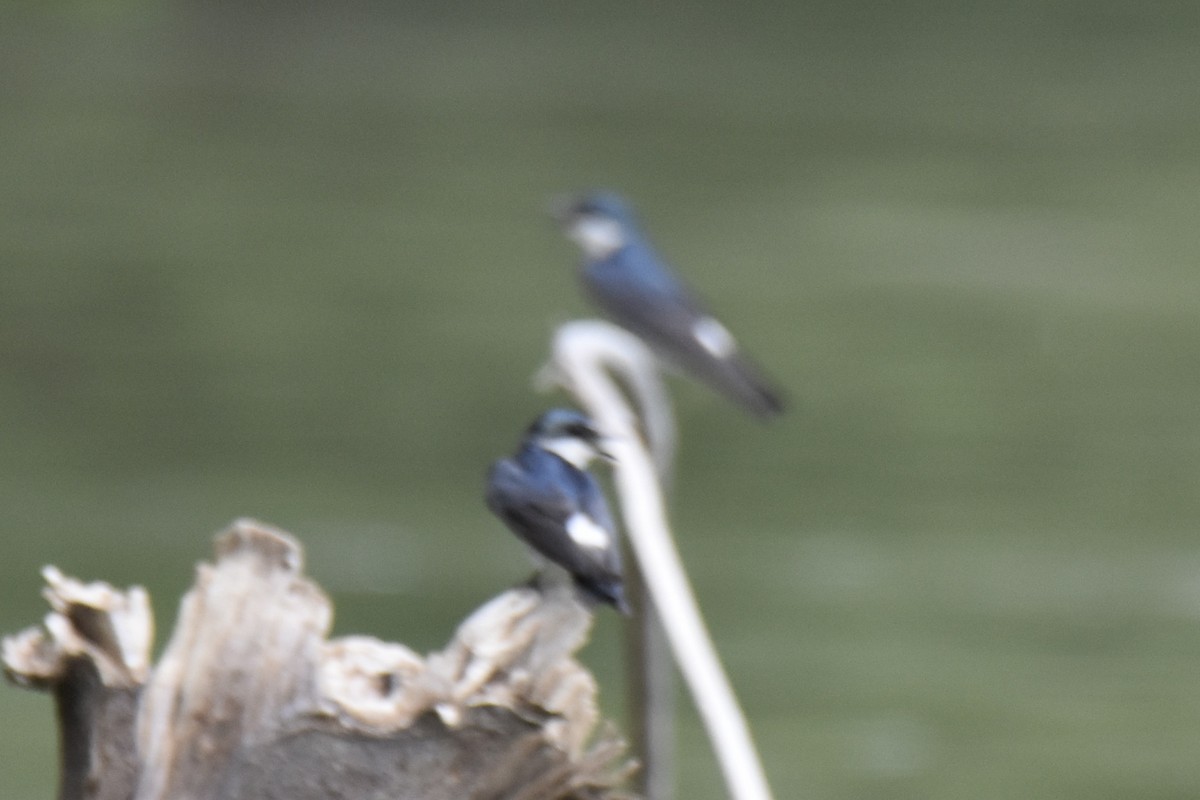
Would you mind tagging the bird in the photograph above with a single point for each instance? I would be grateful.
(545, 495)
(625, 276)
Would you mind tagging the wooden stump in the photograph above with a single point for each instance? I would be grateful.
(250, 700)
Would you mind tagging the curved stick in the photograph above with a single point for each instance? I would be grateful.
(582, 352)
(586, 355)
(649, 673)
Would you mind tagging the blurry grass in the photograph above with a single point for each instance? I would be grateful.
(294, 265)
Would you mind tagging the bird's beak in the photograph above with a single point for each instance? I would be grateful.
(603, 446)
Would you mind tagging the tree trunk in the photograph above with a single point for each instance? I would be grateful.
(250, 700)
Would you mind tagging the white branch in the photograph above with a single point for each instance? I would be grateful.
(586, 354)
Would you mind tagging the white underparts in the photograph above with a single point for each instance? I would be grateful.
(574, 451)
(584, 531)
(598, 236)
(714, 337)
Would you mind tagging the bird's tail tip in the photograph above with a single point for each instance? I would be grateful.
(612, 594)
(773, 404)
(764, 402)
(615, 597)
(622, 606)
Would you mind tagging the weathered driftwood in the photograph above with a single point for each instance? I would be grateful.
(250, 700)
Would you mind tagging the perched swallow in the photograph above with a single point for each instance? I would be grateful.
(545, 496)
(625, 276)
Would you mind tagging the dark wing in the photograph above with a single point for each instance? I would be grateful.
(640, 293)
(593, 504)
(538, 505)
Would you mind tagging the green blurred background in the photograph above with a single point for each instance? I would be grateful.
(289, 260)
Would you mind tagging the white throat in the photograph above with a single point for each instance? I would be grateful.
(574, 451)
(599, 237)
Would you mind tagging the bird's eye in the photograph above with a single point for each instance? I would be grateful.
(581, 431)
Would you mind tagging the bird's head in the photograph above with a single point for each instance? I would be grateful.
(569, 435)
(600, 222)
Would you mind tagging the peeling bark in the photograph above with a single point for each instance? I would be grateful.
(250, 700)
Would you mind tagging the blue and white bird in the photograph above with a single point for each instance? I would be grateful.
(625, 276)
(544, 494)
